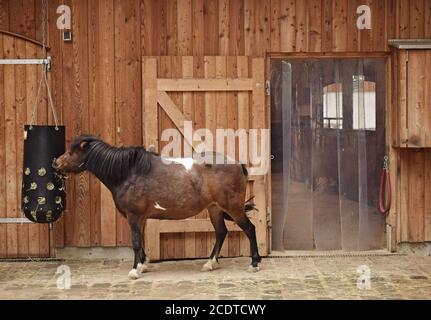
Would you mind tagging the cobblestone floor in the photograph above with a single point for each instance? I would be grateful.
(392, 277)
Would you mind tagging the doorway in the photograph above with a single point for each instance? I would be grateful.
(328, 143)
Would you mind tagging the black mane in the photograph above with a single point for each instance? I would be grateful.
(113, 164)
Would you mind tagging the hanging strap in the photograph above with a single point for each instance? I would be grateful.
(385, 188)
(44, 78)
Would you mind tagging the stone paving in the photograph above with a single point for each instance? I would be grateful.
(391, 277)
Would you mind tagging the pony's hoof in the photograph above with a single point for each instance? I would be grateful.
(210, 265)
(142, 267)
(133, 274)
(253, 269)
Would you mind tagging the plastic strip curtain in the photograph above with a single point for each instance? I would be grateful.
(328, 143)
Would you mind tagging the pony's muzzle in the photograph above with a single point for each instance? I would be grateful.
(54, 164)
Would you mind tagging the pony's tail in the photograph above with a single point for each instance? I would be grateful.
(248, 206)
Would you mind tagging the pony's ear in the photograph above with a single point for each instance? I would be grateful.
(83, 145)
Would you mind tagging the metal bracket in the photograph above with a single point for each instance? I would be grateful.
(267, 88)
(46, 62)
(269, 217)
(14, 220)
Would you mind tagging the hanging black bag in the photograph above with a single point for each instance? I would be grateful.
(43, 188)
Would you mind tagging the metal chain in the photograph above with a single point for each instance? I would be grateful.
(44, 72)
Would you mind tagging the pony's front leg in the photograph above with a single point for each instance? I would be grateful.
(138, 263)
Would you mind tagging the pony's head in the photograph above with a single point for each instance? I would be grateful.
(73, 160)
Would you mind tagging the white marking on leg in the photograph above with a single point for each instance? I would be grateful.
(142, 267)
(133, 274)
(210, 265)
(253, 269)
(159, 207)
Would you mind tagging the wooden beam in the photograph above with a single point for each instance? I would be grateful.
(149, 107)
(237, 84)
(177, 117)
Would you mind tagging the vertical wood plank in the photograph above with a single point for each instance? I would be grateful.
(249, 27)
(404, 19)
(402, 98)
(149, 31)
(211, 32)
(4, 15)
(301, 26)
(72, 130)
(236, 27)
(416, 196)
(107, 124)
(404, 196)
(43, 118)
(172, 28)
(427, 102)
(150, 114)
(223, 27)
(177, 98)
(379, 26)
(160, 25)
(19, 23)
(262, 27)
(94, 114)
(198, 27)
(210, 124)
(199, 122)
(314, 18)
(427, 19)
(165, 70)
(366, 35)
(417, 19)
(184, 17)
(3, 206)
(327, 25)
(127, 86)
(10, 147)
(275, 26)
(416, 78)
(21, 119)
(221, 115)
(81, 232)
(352, 29)
(258, 121)
(339, 26)
(187, 69)
(288, 25)
(231, 247)
(244, 102)
(55, 78)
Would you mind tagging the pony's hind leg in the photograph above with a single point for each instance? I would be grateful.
(217, 220)
(241, 219)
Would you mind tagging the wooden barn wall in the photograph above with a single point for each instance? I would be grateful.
(97, 77)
